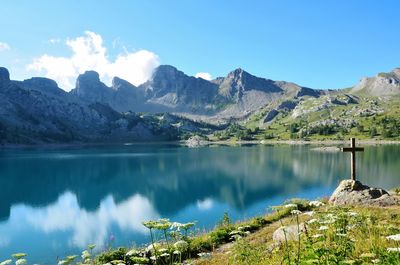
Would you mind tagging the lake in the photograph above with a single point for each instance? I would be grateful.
(54, 202)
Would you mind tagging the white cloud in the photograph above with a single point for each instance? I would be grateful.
(205, 204)
(205, 76)
(89, 53)
(90, 227)
(4, 46)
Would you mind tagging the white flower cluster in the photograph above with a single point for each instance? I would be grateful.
(316, 204)
(394, 237)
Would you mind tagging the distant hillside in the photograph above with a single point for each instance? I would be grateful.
(36, 110)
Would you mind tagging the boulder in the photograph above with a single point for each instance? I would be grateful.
(356, 193)
(288, 233)
(195, 141)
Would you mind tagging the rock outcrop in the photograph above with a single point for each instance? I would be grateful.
(351, 192)
(4, 76)
(383, 84)
(288, 233)
(195, 141)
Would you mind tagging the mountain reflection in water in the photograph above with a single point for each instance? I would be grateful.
(56, 201)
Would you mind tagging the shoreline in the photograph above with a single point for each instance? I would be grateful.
(204, 143)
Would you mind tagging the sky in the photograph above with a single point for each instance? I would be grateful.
(314, 43)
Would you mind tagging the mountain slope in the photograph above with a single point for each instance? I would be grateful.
(46, 114)
(383, 84)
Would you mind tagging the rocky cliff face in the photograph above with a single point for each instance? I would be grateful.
(238, 82)
(172, 88)
(38, 111)
(383, 84)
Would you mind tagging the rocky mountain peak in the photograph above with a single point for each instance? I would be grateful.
(4, 75)
(88, 77)
(166, 72)
(89, 86)
(42, 84)
(383, 84)
(396, 71)
(238, 81)
(118, 83)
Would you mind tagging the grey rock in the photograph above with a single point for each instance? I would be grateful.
(4, 76)
(271, 115)
(351, 192)
(234, 85)
(289, 233)
(195, 141)
(383, 84)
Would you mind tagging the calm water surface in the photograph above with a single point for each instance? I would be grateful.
(55, 202)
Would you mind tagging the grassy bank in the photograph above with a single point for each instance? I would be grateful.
(328, 235)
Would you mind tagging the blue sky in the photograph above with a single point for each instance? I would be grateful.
(315, 43)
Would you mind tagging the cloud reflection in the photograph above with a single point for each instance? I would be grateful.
(89, 227)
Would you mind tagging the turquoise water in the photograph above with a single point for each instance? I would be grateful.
(54, 202)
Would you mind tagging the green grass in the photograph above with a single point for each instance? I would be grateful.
(336, 235)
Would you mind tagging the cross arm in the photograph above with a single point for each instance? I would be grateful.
(350, 149)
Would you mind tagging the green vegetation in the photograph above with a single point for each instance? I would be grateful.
(327, 118)
(329, 235)
(326, 235)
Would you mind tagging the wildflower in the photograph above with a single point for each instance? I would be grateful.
(189, 225)
(204, 255)
(163, 224)
(164, 255)
(177, 252)
(316, 203)
(352, 214)
(312, 221)
(176, 225)
(290, 205)
(349, 227)
(18, 255)
(236, 237)
(181, 245)
(317, 235)
(323, 227)
(6, 262)
(139, 260)
(62, 262)
(150, 224)
(394, 237)
(309, 213)
(21, 262)
(247, 233)
(376, 261)
(92, 246)
(163, 250)
(341, 234)
(367, 255)
(393, 249)
(152, 247)
(85, 255)
(132, 252)
(295, 212)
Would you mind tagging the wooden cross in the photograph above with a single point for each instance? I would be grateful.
(353, 149)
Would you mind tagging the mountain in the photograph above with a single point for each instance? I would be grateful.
(171, 90)
(383, 84)
(36, 110)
